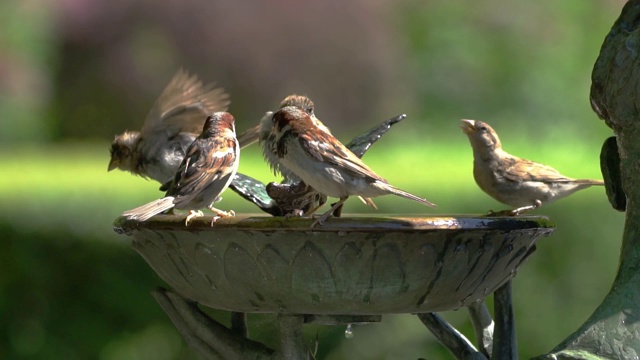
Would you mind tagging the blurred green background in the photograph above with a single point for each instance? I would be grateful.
(73, 73)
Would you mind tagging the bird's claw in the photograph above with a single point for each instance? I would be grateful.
(492, 213)
(320, 219)
(192, 214)
(293, 214)
(220, 214)
(517, 211)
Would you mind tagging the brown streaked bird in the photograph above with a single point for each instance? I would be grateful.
(210, 163)
(173, 123)
(514, 181)
(261, 131)
(324, 163)
(304, 197)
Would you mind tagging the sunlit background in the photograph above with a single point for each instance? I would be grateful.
(73, 73)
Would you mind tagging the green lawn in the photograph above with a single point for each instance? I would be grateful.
(75, 175)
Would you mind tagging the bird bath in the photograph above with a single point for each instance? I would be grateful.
(349, 270)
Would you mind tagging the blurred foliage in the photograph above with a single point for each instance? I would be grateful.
(74, 74)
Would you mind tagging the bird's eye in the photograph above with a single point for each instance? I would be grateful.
(309, 110)
(482, 128)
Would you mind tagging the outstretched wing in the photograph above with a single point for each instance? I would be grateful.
(362, 143)
(184, 105)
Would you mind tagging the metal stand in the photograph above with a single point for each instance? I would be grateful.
(215, 341)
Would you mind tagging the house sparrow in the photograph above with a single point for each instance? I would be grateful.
(292, 196)
(172, 124)
(324, 163)
(261, 131)
(517, 182)
(210, 163)
(299, 198)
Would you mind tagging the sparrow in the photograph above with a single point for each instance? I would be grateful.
(298, 199)
(514, 181)
(324, 163)
(172, 124)
(209, 165)
(262, 133)
(292, 196)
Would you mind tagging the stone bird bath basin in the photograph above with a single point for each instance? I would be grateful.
(349, 266)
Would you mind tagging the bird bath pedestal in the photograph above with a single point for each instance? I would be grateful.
(350, 270)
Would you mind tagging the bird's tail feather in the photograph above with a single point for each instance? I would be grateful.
(394, 190)
(249, 136)
(589, 182)
(144, 212)
(368, 201)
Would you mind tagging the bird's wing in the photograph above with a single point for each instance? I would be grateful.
(326, 148)
(518, 169)
(362, 143)
(205, 162)
(184, 105)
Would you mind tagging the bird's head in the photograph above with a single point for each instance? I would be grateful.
(218, 121)
(290, 117)
(481, 135)
(305, 104)
(122, 151)
(300, 101)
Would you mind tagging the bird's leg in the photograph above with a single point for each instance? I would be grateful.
(338, 211)
(515, 212)
(311, 211)
(321, 219)
(192, 214)
(220, 213)
(520, 210)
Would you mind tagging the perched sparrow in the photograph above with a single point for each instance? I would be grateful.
(323, 162)
(210, 163)
(299, 198)
(292, 196)
(261, 131)
(172, 124)
(511, 180)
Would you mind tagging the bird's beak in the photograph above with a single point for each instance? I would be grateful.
(249, 136)
(113, 164)
(468, 126)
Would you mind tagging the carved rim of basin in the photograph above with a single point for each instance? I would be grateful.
(349, 266)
